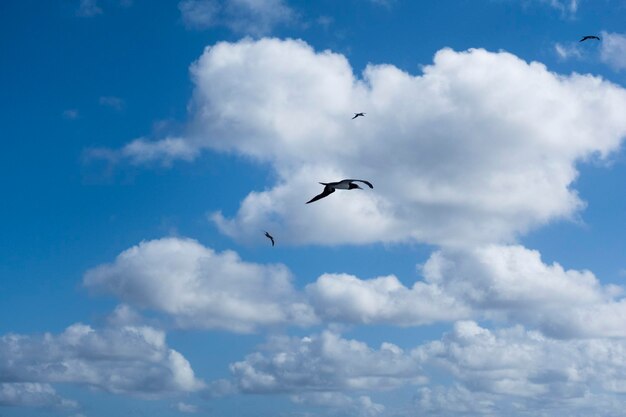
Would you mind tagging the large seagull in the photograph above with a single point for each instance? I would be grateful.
(330, 187)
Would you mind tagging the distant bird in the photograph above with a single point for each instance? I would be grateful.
(357, 115)
(330, 187)
(589, 37)
(270, 237)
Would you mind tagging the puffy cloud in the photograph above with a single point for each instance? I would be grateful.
(325, 362)
(202, 288)
(514, 283)
(129, 359)
(346, 298)
(517, 372)
(254, 17)
(26, 394)
(613, 50)
(479, 148)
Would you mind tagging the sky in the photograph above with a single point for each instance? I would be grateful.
(148, 146)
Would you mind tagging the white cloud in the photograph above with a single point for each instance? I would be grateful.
(202, 288)
(254, 17)
(613, 50)
(346, 298)
(25, 394)
(512, 282)
(362, 406)
(518, 372)
(129, 359)
(326, 363)
(480, 148)
(568, 51)
(141, 151)
(88, 8)
(199, 14)
(564, 6)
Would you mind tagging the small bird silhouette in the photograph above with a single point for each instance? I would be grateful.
(589, 37)
(270, 237)
(357, 115)
(330, 187)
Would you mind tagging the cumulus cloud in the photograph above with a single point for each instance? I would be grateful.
(27, 394)
(512, 282)
(348, 299)
(325, 362)
(516, 372)
(202, 288)
(481, 147)
(498, 282)
(253, 17)
(613, 50)
(130, 359)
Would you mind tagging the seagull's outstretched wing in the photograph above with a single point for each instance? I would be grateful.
(355, 116)
(327, 191)
(369, 184)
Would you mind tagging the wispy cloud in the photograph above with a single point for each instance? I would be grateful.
(613, 50)
(70, 114)
(112, 102)
(568, 51)
(88, 8)
(253, 17)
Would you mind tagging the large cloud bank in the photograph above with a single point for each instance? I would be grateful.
(480, 147)
(129, 359)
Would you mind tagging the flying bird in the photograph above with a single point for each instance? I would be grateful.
(589, 37)
(357, 115)
(330, 187)
(270, 237)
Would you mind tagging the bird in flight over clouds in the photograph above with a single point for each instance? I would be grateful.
(589, 37)
(330, 187)
(357, 115)
(270, 237)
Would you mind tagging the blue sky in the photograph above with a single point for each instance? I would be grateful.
(149, 144)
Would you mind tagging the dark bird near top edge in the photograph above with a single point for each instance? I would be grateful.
(357, 115)
(270, 237)
(330, 187)
(589, 37)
